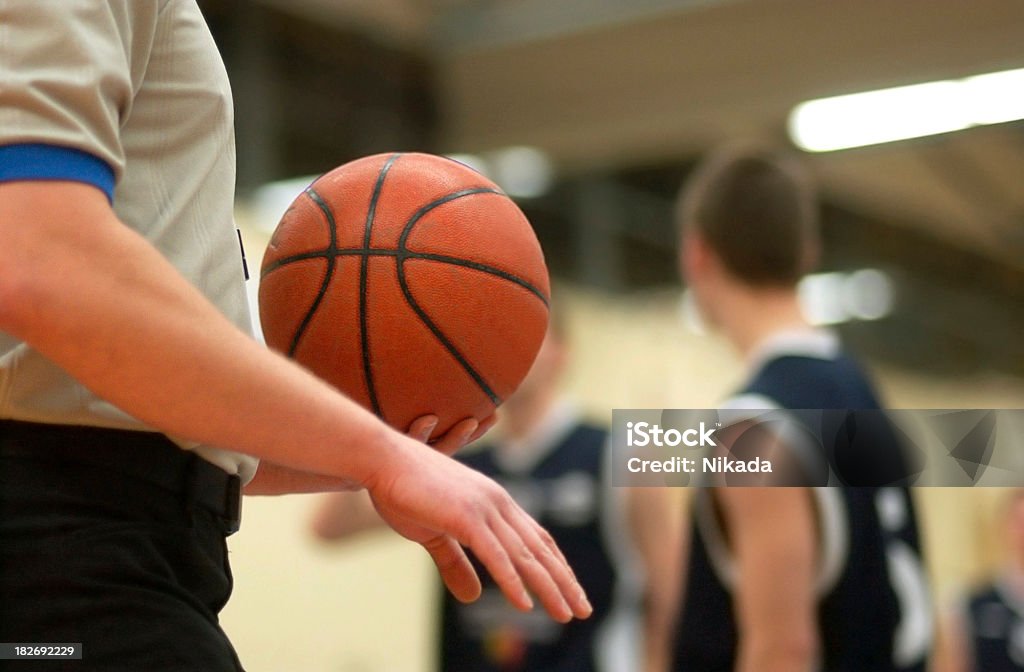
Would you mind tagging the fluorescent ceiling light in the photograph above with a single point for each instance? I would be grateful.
(833, 298)
(862, 295)
(270, 201)
(522, 172)
(905, 112)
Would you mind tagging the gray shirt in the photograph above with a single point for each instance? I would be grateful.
(139, 84)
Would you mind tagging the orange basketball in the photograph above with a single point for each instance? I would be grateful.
(411, 283)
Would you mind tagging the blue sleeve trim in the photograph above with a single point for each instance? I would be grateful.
(37, 161)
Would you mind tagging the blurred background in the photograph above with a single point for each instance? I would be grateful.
(591, 113)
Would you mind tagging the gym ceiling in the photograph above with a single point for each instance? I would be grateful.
(624, 95)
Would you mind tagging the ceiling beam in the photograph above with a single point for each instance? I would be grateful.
(397, 22)
(473, 26)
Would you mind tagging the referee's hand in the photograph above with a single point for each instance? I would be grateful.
(444, 505)
(455, 439)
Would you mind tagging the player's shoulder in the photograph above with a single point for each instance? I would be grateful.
(587, 434)
(479, 457)
(798, 381)
(580, 442)
(840, 367)
(585, 442)
(808, 368)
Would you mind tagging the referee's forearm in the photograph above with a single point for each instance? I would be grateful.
(101, 302)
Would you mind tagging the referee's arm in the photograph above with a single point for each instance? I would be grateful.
(99, 301)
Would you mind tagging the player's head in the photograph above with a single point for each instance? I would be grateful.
(747, 218)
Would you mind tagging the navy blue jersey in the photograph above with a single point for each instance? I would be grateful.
(873, 609)
(996, 630)
(564, 492)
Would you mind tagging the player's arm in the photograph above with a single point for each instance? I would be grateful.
(773, 538)
(952, 654)
(656, 523)
(101, 302)
(341, 515)
(274, 479)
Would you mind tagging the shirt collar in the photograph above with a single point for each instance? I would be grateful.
(1009, 585)
(801, 342)
(522, 455)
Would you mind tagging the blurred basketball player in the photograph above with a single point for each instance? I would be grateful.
(987, 632)
(787, 578)
(554, 465)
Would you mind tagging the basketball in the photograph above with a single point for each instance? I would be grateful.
(411, 283)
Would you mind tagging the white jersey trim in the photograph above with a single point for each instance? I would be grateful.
(522, 455)
(617, 641)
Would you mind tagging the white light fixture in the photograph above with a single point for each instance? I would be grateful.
(270, 201)
(867, 294)
(905, 112)
(820, 298)
(834, 298)
(477, 163)
(522, 172)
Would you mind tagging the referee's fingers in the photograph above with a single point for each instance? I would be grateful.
(485, 425)
(456, 437)
(492, 553)
(455, 568)
(564, 593)
(422, 427)
(537, 574)
(522, 559)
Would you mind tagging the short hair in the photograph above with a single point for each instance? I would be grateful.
(757, 211)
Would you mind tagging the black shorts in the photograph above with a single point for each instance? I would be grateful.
(115, 540)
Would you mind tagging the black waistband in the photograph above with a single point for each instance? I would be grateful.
(147, 456)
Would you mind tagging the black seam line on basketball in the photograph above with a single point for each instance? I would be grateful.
(333, 245)
(324, 254)
(427, 256)
(483, 268)
(364, 266)
(448, 345)
(404, 253)
(400, 270)
(436, 203)
(291, 259)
